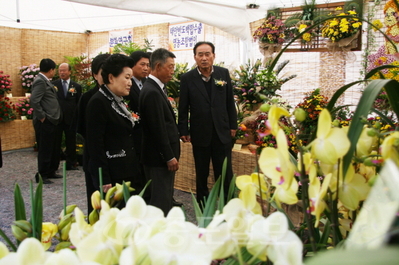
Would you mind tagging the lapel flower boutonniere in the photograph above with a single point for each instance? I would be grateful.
(72, 90)
(56, 88)
(135, 117)
(220, 83)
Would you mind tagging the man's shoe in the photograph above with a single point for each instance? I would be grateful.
(46, 181)
(56, 176)
(176, 203)
(70, 167)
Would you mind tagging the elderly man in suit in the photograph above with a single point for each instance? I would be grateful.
(161, 145)
(69, 93)
(207, 116)
(46, 118)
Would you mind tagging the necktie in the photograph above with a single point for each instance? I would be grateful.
(140, 85)
(65, 86)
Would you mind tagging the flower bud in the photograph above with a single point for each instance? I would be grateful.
(93, 217)
(265, 107)
(96, 200)
(371, 132)
(300, 114)
(18, 233)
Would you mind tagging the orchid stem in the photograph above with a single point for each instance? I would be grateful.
(64, 186)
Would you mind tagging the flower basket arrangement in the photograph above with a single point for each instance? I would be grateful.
(342, 31)
(270, 35)
(27, 75)
(24, 109)
(7, 110)
(252, 86)
(307, 38)
(5, 84)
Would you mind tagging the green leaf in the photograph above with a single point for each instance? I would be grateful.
(19, 204)
(126, 192)
(145, 188)
(37, 209)
(8, 241)
(383, 255)
(365, 103)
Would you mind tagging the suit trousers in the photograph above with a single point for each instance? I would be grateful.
(49, 144)
(70, 143)
(162, 187)
(217, 151)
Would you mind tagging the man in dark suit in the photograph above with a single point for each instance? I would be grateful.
(69, 93)
(46, 118)
(81, 123)
(140, 73)
(207, 107)
(161, 145)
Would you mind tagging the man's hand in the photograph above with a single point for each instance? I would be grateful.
(106, 187)
(185, 138)
(233, 133)
(173, 165)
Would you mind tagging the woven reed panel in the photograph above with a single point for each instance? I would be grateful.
(17, 134)
(97, 42)
(10, 54)
(243, 163)
(22, 47)
(158, 34)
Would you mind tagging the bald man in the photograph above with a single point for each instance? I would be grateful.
(68, 93)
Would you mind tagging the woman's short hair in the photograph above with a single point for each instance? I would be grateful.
(114, 65)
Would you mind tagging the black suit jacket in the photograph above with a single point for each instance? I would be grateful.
(133, 99)
(69, 103)
(109, 140)
(199, 113)
(161, 140)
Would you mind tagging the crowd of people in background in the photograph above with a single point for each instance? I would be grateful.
(129, 127)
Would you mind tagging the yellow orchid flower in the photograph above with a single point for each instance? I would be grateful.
(317, 192)
(178, 243)
(365, 143)
(30, 252)
(99, 247)
(3, 250)
(353, 189)
(49, 230)
(389, 147)
(238, 219)
(270, 238)
(331, 143)
(274, 115)
(79, 229)
(64, 257)
(249, 186)
(276, 165)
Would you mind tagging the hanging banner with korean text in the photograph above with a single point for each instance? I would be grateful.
(183, 36)
(119, 37)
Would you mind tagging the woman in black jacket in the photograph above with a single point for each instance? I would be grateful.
(109, 127)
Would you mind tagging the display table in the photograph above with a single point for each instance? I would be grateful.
(243, 162)
(17, 134)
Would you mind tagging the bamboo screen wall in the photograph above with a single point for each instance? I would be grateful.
(325, 70)
(20, 47)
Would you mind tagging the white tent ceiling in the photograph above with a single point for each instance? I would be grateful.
(102, 15)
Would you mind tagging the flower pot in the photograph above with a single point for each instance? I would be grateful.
(24, 118)
(344, 45)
